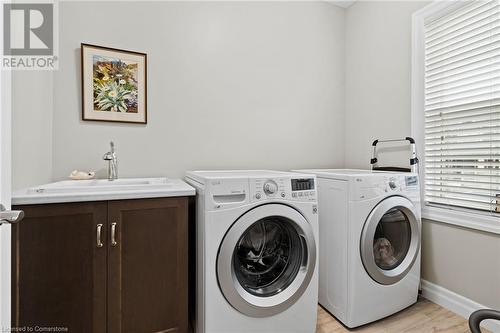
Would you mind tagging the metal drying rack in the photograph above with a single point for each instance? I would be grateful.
(413, 158)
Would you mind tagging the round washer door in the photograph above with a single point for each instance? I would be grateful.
(390, 240)
(266, 260)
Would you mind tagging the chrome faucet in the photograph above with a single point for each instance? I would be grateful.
(110, 156)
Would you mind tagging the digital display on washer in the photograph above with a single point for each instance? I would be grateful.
(303, 184)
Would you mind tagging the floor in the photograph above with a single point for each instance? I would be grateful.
(423, 317)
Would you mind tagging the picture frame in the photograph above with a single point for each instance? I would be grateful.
(114, 84)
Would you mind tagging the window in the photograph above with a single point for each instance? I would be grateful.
(459, 47)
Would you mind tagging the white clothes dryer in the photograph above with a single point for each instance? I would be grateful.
(370, 227)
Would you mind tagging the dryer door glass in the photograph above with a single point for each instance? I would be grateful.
(392, 239)
(267, 256)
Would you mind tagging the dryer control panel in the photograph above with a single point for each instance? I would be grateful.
(286, 188)
(384, 184)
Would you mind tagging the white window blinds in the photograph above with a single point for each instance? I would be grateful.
(462, 107)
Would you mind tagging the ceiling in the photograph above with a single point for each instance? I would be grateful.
(342, 3)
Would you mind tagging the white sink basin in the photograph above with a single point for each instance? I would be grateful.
(102, 189)
(99, 185)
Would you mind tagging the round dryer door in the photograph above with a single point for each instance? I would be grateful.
(266, 260)
(390, 241)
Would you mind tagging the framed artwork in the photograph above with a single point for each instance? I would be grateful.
(114, 85)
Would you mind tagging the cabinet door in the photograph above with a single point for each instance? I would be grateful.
(58, 271)
(147, 268)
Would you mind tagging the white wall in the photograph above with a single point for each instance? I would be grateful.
(378, 95)
(378, 60)
(230, 85)
(462, 260)
(31, 128)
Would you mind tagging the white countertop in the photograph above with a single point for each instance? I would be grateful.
(102, 190)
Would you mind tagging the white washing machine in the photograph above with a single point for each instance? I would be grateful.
(370, 230)
(256, 257)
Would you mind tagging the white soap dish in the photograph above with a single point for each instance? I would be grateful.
(82, 175)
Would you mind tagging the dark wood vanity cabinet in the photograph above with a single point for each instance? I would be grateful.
(58, 273)
(147, 266)
(111, 266)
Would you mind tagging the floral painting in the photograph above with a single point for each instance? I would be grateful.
(113, 84)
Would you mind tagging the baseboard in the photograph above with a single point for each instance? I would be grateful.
(455, 303)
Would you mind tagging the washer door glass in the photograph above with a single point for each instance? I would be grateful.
(266, 260)
(268, 256)
(392, 239)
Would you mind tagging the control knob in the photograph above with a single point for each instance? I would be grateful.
(270, 187)
(392, 184)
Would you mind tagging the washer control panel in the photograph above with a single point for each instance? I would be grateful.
(286, 188)
(270, 187)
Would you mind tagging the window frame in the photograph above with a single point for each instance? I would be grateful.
(463, 217)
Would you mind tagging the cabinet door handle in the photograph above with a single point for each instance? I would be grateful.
(113, 234)
(99, 230)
